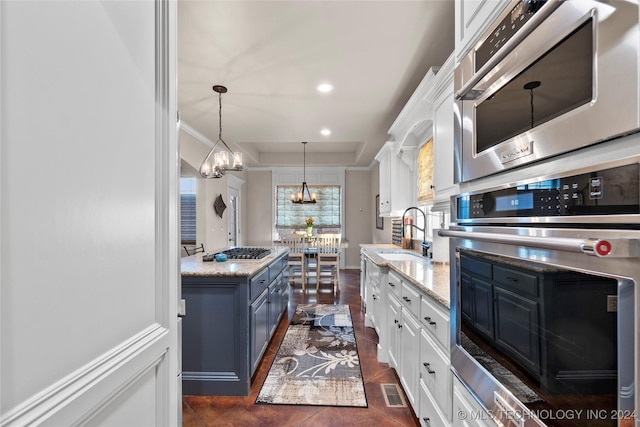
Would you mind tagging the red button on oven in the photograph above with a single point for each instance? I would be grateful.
(603, 248)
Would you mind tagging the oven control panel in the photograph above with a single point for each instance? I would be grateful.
(613, 191)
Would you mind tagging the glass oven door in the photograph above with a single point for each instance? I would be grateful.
(544, 323)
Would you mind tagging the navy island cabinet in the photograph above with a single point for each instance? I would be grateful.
(232, 310)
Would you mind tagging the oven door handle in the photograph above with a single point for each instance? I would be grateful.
(610, 248)
(467, 92)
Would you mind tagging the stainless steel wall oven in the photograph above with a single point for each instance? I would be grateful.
(545, 293)
(547, 78)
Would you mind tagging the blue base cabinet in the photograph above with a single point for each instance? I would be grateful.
(229, 322)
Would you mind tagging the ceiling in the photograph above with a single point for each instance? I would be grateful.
(271, 55)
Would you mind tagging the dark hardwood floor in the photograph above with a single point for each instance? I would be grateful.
(200, 411)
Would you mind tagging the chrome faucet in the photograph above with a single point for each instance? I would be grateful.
(425, 244)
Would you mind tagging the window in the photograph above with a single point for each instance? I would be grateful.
(188, 210)
(325, 213)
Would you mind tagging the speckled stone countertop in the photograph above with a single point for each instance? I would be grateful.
(194, 266)
(432, 279)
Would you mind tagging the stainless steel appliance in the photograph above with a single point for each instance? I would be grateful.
(240, 253)
(548, 77)
(545, 294)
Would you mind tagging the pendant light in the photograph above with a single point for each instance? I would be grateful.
(217, 163)
(299, 197)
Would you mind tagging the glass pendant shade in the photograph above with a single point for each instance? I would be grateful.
(218, 162)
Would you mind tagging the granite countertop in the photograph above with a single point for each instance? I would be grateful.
(433, 279)
(194, 266)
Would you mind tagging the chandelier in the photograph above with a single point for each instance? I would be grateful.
(299, 197)
(217, 163)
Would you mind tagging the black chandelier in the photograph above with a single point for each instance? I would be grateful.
(299, 197)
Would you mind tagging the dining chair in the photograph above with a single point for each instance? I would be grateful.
(194, 250)
(296, 244)
(328, 259)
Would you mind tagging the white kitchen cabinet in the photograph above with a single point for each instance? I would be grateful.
(394, 322)
(435, 372)
(468, 412)
(396, 183)
(472, 18)
(430, 414)
(409, 355)
(443, 182)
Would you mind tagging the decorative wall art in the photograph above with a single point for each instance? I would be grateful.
(219, 205)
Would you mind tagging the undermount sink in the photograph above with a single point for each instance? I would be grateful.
(400, 256)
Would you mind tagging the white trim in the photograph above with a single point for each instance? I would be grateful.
(234, 182)
(87, 383)
(168, 408)
(194, 133)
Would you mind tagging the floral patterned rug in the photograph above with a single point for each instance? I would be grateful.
(317, 362)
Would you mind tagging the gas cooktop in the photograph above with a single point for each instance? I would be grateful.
(240, 254)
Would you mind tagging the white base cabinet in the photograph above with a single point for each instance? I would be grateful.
(413, 338)
(468, 412)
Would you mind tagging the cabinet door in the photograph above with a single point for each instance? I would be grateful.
(472, 19)
(259, 328)
(466, 298)
(483, 307)
(275, 305)
(516, 328)
(385, 184)
(443, 145)
(410, 355)
(393, 330)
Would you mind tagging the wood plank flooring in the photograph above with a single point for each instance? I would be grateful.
(205, 411)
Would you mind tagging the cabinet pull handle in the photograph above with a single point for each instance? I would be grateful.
(512, 279)
(392, 285)
(428, 366)
(428, 319)
(407, 299)
(427, 422)
(395, 320)
(399, 326)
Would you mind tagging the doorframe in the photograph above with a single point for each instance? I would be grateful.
(234, 185)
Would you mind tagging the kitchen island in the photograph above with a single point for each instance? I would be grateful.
(232, 310)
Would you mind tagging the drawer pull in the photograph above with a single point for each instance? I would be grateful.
(429, 321)
(395, 320)
(392, 285)
(511, 279)
(427, 422)
(407, 299)
(399, 326)
(374, 297)
(427, 365)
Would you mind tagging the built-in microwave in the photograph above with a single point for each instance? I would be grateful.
(547, 78)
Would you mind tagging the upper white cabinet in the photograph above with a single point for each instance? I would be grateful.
(427, 115)
(396, 183)
(442, 95)
(472, 18)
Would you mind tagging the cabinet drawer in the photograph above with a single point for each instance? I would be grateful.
(435, 372)
(278, 266)
(517, 281)
(475, 267)
(410, 298)
(394, 284)
(259, 282)
(430, 415)
(435, 321)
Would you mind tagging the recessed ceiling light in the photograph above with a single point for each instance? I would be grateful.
(324, 87)
(326, 132)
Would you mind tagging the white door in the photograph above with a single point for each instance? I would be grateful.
(89, 267)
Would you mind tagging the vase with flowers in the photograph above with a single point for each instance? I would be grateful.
(309, 222)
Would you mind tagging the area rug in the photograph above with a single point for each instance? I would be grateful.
(317, 362)
(523, 392)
